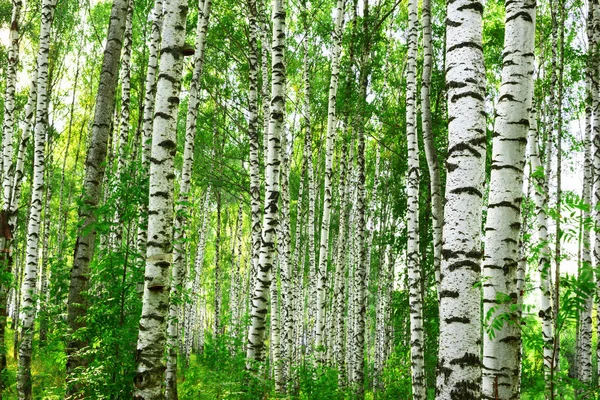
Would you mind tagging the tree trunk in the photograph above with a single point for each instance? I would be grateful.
(149, 100)
(256, 337)
(435, 185)
(123, 125)
(159, 250)
(183, 201)
(330, 139)
(501, 346)
(413, 179)
(9, 102)
(92, 189)
(253, 133)
(8, 177)
(28, 289)
(459, 363)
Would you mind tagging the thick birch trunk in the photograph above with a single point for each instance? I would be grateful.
(459, 362)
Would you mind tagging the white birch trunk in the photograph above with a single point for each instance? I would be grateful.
(159, 251)
(540, 200)
(9, 103)
(330, 139)
(183, 201)
(413, 251)
(253, 134)
(459, 362)
(148, 117)
(435, 185)
(501, 347)
(28, 288)
(256, 331)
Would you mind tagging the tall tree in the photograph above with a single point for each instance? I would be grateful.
(501, 347)
(459, 362)
(435, 184)
(92, 189)
(330, 139)
(8, 177)
(148, 114)
(204, 8)
(159, 248)
(413, 179)
(256, 331)
(29, 284)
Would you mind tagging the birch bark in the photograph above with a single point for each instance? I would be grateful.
(459, 365)
(159, 248)
(256, 331)
(28, 288)
(501, 347)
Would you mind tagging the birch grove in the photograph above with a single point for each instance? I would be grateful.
(259, 199)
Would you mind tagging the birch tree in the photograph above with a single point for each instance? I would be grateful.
(148, 115)
(159, 248)
(412, 253)
(8, 176)
(256, 331)
(184, 189)
(459, 362)
(435, 185)
(92, 188)
(501, 347)
(29, 284)
(330, 139)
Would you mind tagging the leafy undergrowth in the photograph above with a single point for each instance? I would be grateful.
(47, 368)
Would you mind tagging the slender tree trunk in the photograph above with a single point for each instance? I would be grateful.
(360, 260)
(217, 287)
(340, 270)
(256, 332)
(412, 253)
(435, 185)
(28, 289)
(9, 101)
(285, 272)
(584, 361)
(183, 201)
(501, 346)
(196, 293)
(44, 272)
(94, 175)
(558, 121)
(149, 100)
(8, 178)
(595, 137)
(306, 118)
(541, 204)
(459, 362)
(330, 139)
(123, 125)
(253, 133)
(159, 250)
